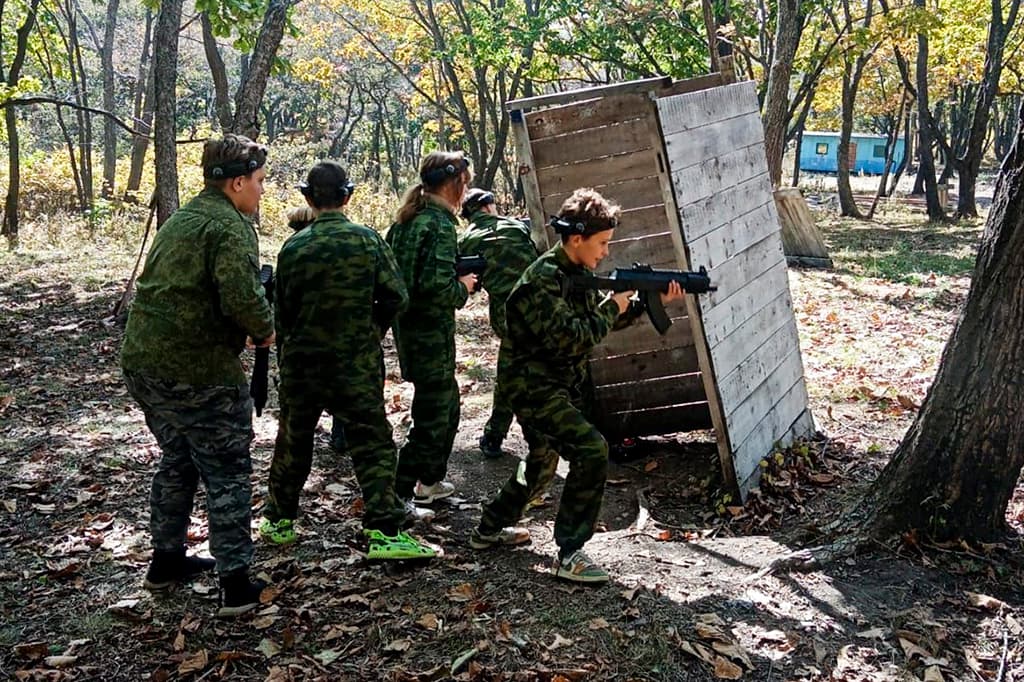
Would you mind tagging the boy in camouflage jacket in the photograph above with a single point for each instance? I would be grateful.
(198, 299)
(549, 340)
(338, 290)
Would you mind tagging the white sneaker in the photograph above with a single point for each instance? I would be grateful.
(414, 514)
(425, 494)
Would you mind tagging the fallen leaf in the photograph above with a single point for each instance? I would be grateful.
(179, 641)
(558, 642)
(398, 645)
(327, 656)
(268, 647)
(597, 624)
(33, 651)
(910, 650)
(462, 659)
(933, 674)
(873, 633)
(461, 593)
(194, 663)
(10, 505)
(651, 466)
(629, 594)
(984, 601)
(428, 621)
(726, 669)
(821, 478)
(60, 661)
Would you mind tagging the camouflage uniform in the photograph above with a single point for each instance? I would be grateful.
(425, 249)
(198, 297)
(549, 340)
(509, 250)
(338, 290)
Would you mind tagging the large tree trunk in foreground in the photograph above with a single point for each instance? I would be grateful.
(956, 469)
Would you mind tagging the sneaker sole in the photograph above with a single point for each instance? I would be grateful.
(399, 557)
(432, 498)
(232, 611)
(276, 543)
(487, 544)
(576, 578)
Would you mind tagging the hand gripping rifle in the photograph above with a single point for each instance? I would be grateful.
(261, 360)
(465, 265)
(648, 282)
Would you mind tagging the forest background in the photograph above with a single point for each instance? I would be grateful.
(105, 108)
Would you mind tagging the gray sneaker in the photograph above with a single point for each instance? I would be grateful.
(510, 535)
(414, 514)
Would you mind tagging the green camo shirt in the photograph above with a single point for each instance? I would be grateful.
(198, 297)
(338, 290)
(506, 244)
(550, 336)
(425, 250)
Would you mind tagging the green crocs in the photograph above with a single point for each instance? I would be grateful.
(280, 532)
(401, 546)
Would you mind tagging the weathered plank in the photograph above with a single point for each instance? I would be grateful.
(641, 337)
(715, 139)
(656, 250)
(707, 178)
(732, 238)
(644, 85)
(528, 176)
(592, 143)
(646, 365)
(733, 275)
(595, 113)
(701, 216)
(695, 110)
(753, 370)
(800, 236)
(741, 419)
(643, 395)
(722, 315)
(670, 419)
(565, 179)
(788, 420)
(642, 222)
(628, 194)
(738, 342)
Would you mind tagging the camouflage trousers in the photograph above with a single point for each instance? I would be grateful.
(501, 410)
(370, 445)
(554, 423)
(204, 433)
(435, 421)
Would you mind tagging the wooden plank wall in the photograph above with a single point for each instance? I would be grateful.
(715, 165)
(645, 383)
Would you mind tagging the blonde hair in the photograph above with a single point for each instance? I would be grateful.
(436, 170)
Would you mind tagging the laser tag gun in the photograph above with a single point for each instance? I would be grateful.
(465, 265)
(648, 283)
(261, 361)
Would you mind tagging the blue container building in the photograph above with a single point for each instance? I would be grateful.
(818, 152)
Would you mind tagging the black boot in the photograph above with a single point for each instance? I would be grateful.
(490, 447)
(169, 567)
(338, 441)
(238, 594)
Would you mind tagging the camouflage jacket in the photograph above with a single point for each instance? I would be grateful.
(425, 250)
(506, 244)
(550, 336)
(338, 290)
(198, 297)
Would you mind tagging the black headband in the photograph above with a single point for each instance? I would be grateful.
(564, 227)
(231, 169)
(345, 190)
(435, 176)
(476, 202)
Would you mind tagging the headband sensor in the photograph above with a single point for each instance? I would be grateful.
(435, 176)
(231, 169)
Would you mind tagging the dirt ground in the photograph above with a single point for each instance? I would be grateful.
(688, 600)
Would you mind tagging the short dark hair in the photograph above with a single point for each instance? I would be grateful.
(327, 185)
(476, 199)
(586, 213)
(229, 157)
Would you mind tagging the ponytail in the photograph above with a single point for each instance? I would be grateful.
(412, 202)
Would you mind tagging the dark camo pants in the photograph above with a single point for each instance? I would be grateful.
(501, 411)
(554, 424)
(370, 446)
(435, 421)
(204, 433)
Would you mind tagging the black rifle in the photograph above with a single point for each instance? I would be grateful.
(648, 282)
(465, 265)
(261, 360)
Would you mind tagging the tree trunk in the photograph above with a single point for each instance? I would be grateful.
(970, 162)
(10, 224)
(254, 81)
(847, 205)
(165, 76)
(957, 467)
(76, 69)
(221, 91)
(776, 104)
(145, 99)
(109, 127)
(926, 170)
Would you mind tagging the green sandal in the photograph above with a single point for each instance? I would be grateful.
(280, 532)
(390, 547)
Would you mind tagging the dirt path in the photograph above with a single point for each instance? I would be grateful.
(684, 603)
